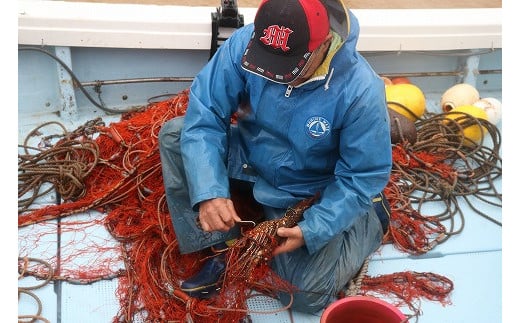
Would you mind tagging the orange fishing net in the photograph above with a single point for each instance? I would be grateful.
(126, 187)
(115, 181)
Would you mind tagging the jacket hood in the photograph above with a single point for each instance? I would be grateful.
(343, 22)
(345, 28)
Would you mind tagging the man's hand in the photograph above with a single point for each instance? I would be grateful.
(293, 239)
(217, 214)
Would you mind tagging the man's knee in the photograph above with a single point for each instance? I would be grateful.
(170, 133)
(171, 129)
(338, 262)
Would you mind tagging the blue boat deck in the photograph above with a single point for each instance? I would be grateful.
(472, 259)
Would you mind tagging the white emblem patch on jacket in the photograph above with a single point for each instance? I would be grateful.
(317, 127)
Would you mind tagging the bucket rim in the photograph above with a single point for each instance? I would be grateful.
(364, 299)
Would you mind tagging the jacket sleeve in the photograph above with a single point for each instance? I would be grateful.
(362, 171)
(214, 97)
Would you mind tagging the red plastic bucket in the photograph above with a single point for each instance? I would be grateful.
(361, 309)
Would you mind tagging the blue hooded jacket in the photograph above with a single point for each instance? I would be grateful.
(330, 134)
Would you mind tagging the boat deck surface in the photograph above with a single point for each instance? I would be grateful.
(471, 259)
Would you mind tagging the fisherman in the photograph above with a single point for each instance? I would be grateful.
(311, 118)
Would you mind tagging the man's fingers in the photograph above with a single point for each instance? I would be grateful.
(286, 246)
(226, 212)
(218, 215)
(201, 224)
(233, 212)
(293, 239)
(282, 232)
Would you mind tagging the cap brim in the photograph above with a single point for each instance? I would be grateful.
(270, 65)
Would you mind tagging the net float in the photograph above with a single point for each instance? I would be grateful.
(457, 95)
(493, 108)
(471, 129)
(406, 99)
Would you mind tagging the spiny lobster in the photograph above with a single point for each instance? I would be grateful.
(256, 246)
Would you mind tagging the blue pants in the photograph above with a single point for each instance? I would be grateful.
(319, 277)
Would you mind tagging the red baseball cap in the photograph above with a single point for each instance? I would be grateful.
(286, 32)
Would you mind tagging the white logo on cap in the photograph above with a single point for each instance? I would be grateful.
(276, 37)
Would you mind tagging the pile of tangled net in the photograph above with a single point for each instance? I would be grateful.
(111, 176)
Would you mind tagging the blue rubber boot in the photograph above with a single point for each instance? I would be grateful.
(208, 280)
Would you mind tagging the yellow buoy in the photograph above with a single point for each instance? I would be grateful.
(409, 96)
(471, 130)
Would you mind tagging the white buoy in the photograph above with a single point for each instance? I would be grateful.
(493, 108)
(457, 95)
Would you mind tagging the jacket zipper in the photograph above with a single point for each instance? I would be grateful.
(288, 91)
